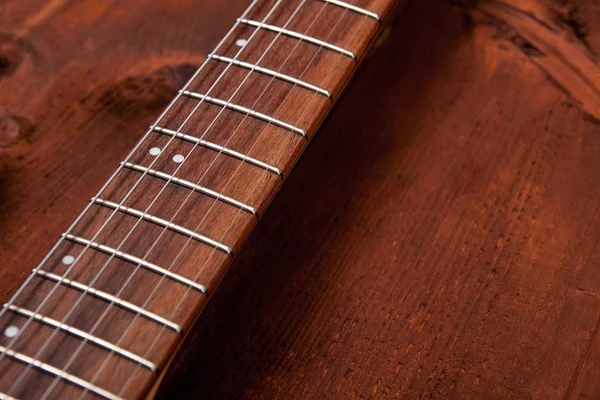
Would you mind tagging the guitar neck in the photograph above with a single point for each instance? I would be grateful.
(106, 309)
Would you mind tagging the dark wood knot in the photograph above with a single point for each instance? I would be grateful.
(11, 53)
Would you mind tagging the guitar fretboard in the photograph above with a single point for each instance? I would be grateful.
(106, 309)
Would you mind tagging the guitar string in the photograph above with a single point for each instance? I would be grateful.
(157, 286)
(162, 329)
(150, 131)
(85, 340)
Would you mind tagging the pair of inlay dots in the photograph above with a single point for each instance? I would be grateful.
(178, 158)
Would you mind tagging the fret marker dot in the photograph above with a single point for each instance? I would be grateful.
(68, 260)
(178, 158)
(241, 42)
(11, 331)
(154, 151)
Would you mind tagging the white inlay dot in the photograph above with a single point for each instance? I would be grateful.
(68, 260)
(154, 151)
(241, 42)
(178, 158)
(11, 331)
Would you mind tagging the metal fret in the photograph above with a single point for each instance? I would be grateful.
(244, 110)
(162, 223)
(299, 36)
(110, 298)
(82, 335)
(156, 220)
(274, 74)
(135, 260)
(192, 186)
(221, 149)
(4, 396)
(59, 374)
(353, 8)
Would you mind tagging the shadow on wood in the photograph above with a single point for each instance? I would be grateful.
(279, 273)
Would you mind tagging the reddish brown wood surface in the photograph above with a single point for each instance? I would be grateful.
(127, 254)
(438, 239)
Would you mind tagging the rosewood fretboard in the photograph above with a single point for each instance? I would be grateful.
(106, 309)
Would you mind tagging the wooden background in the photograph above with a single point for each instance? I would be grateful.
(439, 238)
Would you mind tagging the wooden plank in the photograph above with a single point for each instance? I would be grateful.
(438, 239)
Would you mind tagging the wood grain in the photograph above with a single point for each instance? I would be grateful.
(438, 239)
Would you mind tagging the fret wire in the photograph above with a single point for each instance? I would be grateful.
(163, 223)
(82, 335)
(244, 110)
(353, 8)
(136, 260)
(299, 36)
(59, 374)
(332, 69)
(213, 121)
(218, 148)
(191, 186)
(28, 280)
(110, 298)
(269, 72)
